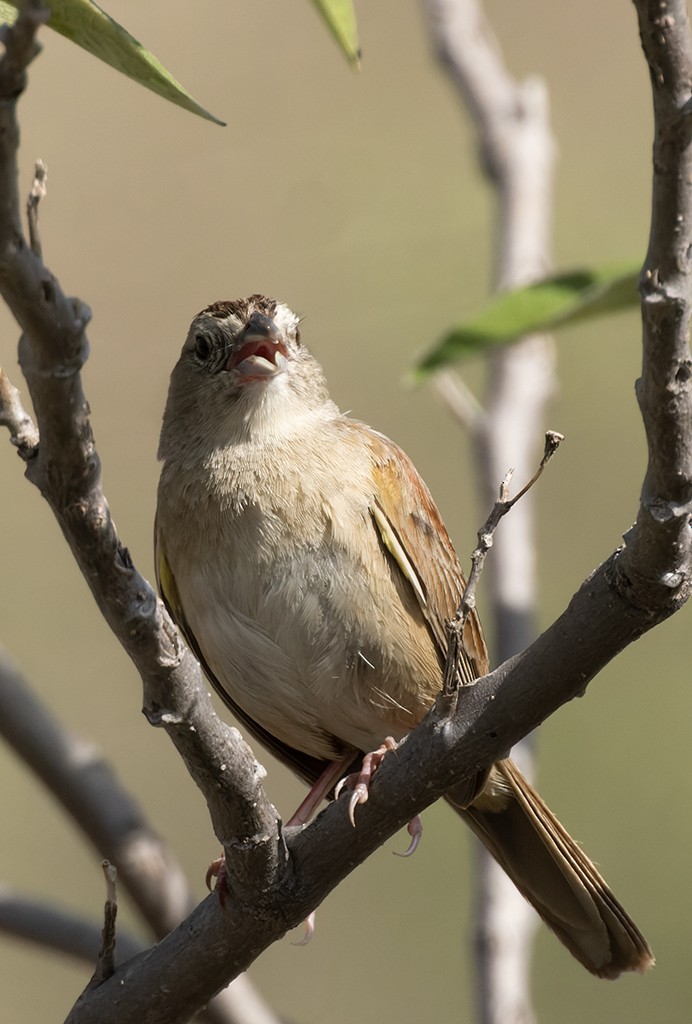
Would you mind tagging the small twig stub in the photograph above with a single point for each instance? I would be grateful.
(37, 193)
(455, 626)
(105, 964)
(23, 432)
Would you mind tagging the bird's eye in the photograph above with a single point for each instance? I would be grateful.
(297, 335)
(203, 347)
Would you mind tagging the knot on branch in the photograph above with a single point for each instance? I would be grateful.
(669, 511)
(682, 378)
(161, 716)
(667, 293)
(36, 362)
(141, 609)
(665, 584)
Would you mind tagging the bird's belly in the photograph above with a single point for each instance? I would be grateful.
(309, 652)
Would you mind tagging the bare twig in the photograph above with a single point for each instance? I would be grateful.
(37, 193)
(455, 627)
(105, 965)
(21, 46)
(23, 433)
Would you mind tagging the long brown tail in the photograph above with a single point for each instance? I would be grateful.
(553, 873)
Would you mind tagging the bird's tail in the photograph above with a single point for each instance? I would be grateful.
(552, 872)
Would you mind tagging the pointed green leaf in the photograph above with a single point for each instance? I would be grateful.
(85, 24)
(544, 306)
(341, 21)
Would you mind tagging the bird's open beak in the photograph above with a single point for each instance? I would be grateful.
(259, 351)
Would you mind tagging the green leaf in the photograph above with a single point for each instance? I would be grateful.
(341, 21)
(85, 24)
(547, 305)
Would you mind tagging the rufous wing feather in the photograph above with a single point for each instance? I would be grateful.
(501, 807)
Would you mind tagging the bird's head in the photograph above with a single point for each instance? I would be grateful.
(242, 375)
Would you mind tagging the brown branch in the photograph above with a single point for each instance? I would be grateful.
(66, 469)
(493, 715)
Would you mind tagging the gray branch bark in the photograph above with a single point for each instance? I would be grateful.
(278, 876)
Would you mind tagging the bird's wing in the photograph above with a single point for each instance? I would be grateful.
(415, 537)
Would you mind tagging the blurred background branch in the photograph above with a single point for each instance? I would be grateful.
(516, 151)
(85, 786)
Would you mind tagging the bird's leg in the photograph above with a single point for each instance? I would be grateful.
(319, 790)
(329, 777)
(359, 784)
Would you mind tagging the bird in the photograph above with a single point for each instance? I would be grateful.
(308, 568)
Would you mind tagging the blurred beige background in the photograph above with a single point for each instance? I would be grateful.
(356, 198)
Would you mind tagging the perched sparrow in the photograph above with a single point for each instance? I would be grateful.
(308, 568)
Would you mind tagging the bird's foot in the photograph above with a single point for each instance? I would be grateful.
(217, 870)
(329, 777)
(415, 830)
(359, 784)
(309, 930)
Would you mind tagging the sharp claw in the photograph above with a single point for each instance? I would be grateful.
(358, 796)
(371, 763)
(213, 871)
(309, 930)
(415, 830)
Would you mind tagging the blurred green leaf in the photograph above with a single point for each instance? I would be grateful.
(544, 306)
(85, 24)
(341, 20)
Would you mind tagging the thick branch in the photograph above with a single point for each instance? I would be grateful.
(491, 717)
(657, 555)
